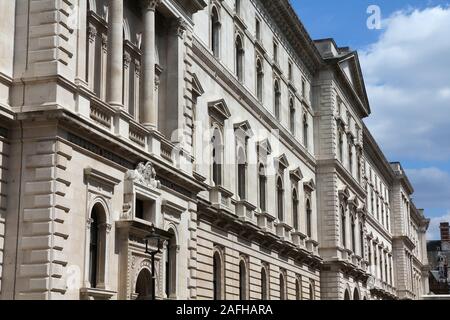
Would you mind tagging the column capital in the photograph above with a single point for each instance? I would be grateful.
(150, 5)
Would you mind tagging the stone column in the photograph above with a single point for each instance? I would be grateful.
(149, 106)
(115, 49)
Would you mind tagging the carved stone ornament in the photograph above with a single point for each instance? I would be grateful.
(144, 174)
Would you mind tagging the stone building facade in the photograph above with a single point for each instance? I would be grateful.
(218, 123)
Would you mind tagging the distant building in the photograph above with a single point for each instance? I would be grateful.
(438, 257)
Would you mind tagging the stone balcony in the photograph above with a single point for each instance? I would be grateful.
(245, 211)
(265, 221)
(220, 198)
(312, 246)
(298, 238)
(283, 230)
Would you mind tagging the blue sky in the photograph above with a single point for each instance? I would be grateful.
(406, 67)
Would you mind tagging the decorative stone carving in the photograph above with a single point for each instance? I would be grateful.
(137, 67)
(104, 42)
(92, 33)
(179, 26)
(127, 213)
(126, 60)
(144, 174)
(89, 222)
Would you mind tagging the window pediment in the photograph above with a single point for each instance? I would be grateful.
(219, 110)
(309, 186)
(353, 202)
(196, 86)
(264, 148)
(344, 194)
(296, 174)
(243, 130)
(281, 163)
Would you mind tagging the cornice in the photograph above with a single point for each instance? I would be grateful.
(82, 127)
(289, 23)
(377, 156)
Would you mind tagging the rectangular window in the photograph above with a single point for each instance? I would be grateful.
(258, 30)
(145, 209)
(290, 71)
(275, 52)
(303, 88)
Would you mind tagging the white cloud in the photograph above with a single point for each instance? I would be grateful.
(433, 230)
(432, 187)
(407, 78)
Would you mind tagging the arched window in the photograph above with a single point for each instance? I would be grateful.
(359, 168)
(356, 294)
(239, 46)
(217, 154)
(312, 295)
(292, 116)
(346, 295)
(280, 199)
(259, 80)
(298, 289)
(305, 131)
(295, 209)
(372, 202)
(385, 271)
(218, 276)
(361, 238)
(387, 221)
(343, 228)
(242, 172)
(353, 233)
(282, 287)
(264, 284)
(171, 266)
(277, 104)
(378, 208)
(144, 285)
(391, 274)
(97, 247)
(215, 32)
(243, 281)
(262, 188)
(350, 158)
(308, 218)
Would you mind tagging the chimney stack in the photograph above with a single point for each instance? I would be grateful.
(445, 231)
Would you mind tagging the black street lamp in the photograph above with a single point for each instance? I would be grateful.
(157, 242)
